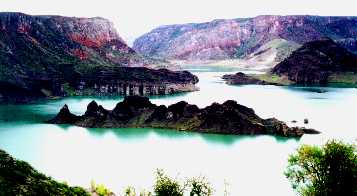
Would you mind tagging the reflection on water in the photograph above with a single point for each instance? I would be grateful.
(128, 156)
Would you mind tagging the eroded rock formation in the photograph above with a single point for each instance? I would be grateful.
(136, 111)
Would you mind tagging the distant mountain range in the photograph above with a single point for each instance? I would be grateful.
(54, 55)
(245, 37)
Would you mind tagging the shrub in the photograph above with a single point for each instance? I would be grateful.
(199, 187)
(100, 189)
(129, 191)
(165, 186)
(19, 178)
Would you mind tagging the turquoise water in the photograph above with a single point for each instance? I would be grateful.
(248, 165)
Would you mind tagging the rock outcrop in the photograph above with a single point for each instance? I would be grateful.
(136, 81)
(237, 38)
(315, 61)
(136, 111)
(43, 56)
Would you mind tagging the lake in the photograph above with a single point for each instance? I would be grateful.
(244, 165)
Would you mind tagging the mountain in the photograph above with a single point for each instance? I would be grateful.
(316, 61)
(239, 38)
(136, 111)
(54, 56)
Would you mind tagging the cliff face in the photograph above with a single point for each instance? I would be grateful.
(226, 39)
(315, 61)
(135, 111)
(135, 81)
(47, 55)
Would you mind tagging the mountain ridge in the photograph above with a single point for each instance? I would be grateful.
(43, 56)
(236, 38)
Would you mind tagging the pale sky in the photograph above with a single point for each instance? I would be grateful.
(133, 18)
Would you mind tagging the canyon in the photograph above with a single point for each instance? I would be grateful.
(54, 56)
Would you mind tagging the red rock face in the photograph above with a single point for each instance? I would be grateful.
(222, 39)
(80, 54)
(84, 38)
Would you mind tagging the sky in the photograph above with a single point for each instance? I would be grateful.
(133, 18)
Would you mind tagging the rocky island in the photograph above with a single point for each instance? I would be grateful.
(54, 56)
(137, 111)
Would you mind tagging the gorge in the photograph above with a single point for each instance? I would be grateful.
(54, 56)
(108, 132)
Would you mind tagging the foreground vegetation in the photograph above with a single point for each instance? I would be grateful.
(19, 178)
(327, 170)
(312, 170)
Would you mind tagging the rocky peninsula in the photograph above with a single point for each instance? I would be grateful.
(321, 62)
(136, 111)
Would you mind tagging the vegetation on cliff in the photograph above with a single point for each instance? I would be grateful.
(327, 170)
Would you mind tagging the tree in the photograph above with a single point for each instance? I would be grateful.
(327, 170)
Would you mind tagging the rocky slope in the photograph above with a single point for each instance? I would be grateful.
(237, 38)
(54, 56)
(136, 111)
(316, 61)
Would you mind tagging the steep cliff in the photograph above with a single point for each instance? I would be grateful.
(136, 111)
(237, 38)
(316, 61)
(53, 55)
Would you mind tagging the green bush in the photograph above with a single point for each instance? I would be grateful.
(199, 187)
(165, 186)
(100, 189)
(19, 178)
(129, 191)
(330, 170)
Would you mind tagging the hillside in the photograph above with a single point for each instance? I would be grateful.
(316, 62)
(19, 178)
(43, 56)
(239, 38)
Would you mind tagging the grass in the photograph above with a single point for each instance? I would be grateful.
(347, 78)
(272, 78)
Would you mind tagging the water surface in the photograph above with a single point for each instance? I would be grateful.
(250, 165)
